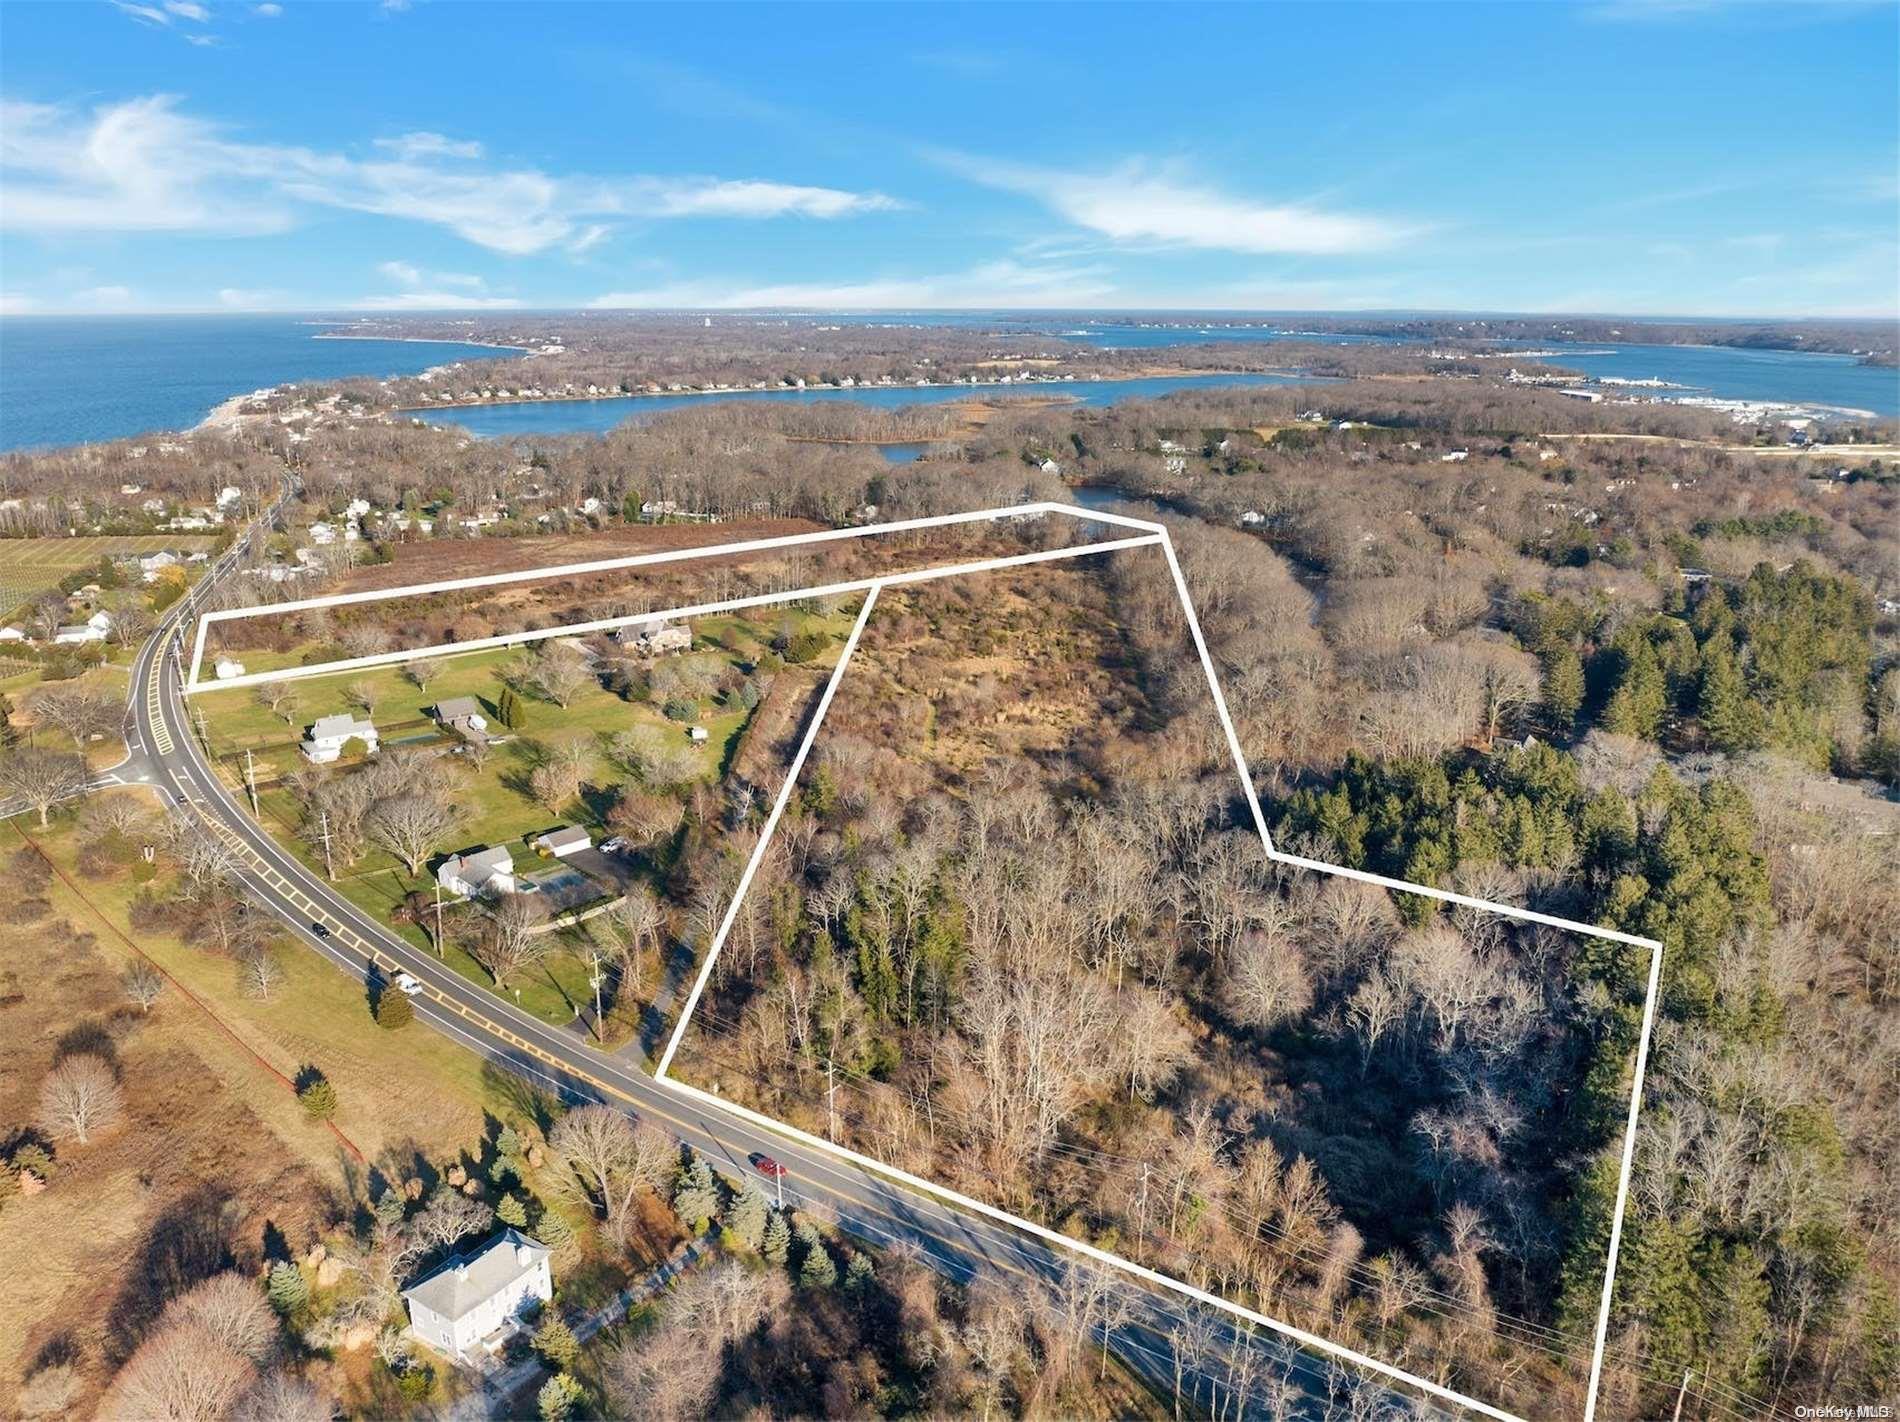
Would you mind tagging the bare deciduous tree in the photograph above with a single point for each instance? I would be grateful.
(182, 1373)
(142, 983)
(42, 777)
(505, 941)
(609, 1160)
(79, 1096)
(410, 826)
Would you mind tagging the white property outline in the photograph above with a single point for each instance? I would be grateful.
(1151, 534)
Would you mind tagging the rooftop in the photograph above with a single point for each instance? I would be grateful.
(464, 1281)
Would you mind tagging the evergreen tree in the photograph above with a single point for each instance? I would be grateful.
(1730, 716)
(8, 735)
(816, 1270)
(559, 1397)
(287, 1288)
(1641, 696)
(508, 709)
(777, 1247)
(319, 1099)
(555, 1342)
(1563, 687)
(394, 1010)
(389, 1209)
(859, 1273)
(746, 1215)
(512, 1212)
(696, 1194)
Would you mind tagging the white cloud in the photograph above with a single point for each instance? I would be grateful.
(429, 145)
(409, 274)
(267, 11)
(1137, 204)
(143, 164)
(238, 298)
(991, 284)
(104, 296)
(16, 303)
(186, 10)
(434, 301)
(711, 197)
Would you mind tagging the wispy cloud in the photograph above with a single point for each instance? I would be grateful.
(145, 164)
(1142, 204)
(411, 146)
(988, 285)
(15, 303)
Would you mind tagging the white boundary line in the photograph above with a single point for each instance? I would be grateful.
(964, 1201)
(635, 560)
(1152, 533)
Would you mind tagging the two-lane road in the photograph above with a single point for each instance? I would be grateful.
(959, 1242)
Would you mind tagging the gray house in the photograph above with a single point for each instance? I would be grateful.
(463, 714)
(473, 1298)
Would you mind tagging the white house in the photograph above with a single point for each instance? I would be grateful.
(568, 839)
(322, 533)
(697, 734)
(478, 872)
(150, 567)
(79, 632)
(325, 739)
(100, 622)
(473, 1298)
(659, 508)
(228, 667)
(1049, 466)
(12, 634)
(1454, 456)
(230, 496)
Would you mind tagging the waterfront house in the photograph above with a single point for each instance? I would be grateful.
(480, 871)
(327, 737)
(559, 843)
(471, 1301)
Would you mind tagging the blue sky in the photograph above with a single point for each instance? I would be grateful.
(1683, 157)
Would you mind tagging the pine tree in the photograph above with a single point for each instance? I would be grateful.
(1563, 687)
(319, 1099)
(555, 1341)
(287, 1288)
(816, 1271)
(696, 1194)
(1636, 706)
(1730, 716)
(859, 1273)
(7, 734)
(394, 1010)
(746, 1215)
(777, 1247)
(512, 1212)
(560, 1395)
(389, 1209)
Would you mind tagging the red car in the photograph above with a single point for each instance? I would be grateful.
(767, 1167)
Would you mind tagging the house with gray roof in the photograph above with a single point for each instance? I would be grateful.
(463, 715)
(327, 736)
(478, 872)
(475, 1299)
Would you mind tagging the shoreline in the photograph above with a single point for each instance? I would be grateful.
(418, 341)
(981, 385)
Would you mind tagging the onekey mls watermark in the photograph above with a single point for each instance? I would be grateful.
(1846, 1412)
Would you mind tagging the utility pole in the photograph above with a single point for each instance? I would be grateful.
(250, 780)
(1141, 1210)
(593, 959)
(328, 867)
(438, 918)
(831, 1098)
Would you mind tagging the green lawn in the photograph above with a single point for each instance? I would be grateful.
(497, 806)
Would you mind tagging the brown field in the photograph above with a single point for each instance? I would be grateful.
(435, 560)
(213, 1157)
